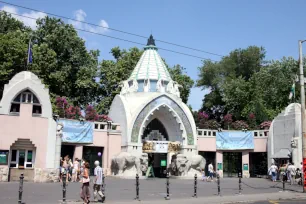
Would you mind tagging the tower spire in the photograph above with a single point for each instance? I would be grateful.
(151, 41)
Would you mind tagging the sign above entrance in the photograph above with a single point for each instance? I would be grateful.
(160, 146)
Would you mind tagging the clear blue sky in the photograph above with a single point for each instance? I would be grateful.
(214, 26)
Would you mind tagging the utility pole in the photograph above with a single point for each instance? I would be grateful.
(302, 110)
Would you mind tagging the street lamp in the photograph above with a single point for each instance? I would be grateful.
(302, 83)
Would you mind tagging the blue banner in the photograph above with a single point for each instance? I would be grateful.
(75, 131)
(235, 140)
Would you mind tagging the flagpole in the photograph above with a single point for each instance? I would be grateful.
(29, 52)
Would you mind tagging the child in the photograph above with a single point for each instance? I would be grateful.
(203, 175)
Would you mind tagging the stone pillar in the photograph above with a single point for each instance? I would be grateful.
(58, 145)
(245, 164)
(219, 158)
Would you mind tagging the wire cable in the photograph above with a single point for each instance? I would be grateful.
(121, 39)
(117, 30)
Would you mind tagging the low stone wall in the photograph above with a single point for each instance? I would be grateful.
(4, 171)
(46, 175)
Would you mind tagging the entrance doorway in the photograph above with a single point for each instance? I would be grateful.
(258, 163)
(158, 161)
(91, 154)
(67, 150)
(232, 162)
(210, 157)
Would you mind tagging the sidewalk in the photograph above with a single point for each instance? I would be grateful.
(221, 199)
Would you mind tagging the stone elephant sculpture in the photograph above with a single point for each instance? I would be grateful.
(127, 164)
(181, 165)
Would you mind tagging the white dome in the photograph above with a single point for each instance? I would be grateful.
(150, 65)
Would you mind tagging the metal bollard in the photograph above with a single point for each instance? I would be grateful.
(64, 187)
(20, 188)
(284, 189)
(137, 187)
(168, 185)
(240, 183)
(218, 182)
(195, 186)
(103, 187)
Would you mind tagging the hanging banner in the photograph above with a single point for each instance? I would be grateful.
(234, 140)
(75, 131)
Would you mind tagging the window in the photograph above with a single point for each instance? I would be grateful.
(26, 97)
(4, 157)
(22, 158)
(36, 110)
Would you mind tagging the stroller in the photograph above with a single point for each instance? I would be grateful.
(298, 176)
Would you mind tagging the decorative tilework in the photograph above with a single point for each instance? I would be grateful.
(157, 102)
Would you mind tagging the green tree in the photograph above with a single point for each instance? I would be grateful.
(14, 37)
(178, 74)
(62, 61)
(111, 73)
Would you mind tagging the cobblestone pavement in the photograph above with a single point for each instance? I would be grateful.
(123, 190)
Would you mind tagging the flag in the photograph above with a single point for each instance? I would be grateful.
(30, 54)
(292, 91)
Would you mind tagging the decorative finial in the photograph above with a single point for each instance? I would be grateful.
(151, 41)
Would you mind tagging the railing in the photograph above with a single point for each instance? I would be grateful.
(213, 133)
(102, 126)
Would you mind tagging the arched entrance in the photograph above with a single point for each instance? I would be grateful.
(155, 131)
(161, 127)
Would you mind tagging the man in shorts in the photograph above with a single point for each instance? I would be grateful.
(98, 182)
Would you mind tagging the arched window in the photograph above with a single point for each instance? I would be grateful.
(26, 97)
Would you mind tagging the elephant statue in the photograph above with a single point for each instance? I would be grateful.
(127, 164)
(144, 162)
(181, 165)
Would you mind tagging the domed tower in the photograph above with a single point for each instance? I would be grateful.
(149, 106)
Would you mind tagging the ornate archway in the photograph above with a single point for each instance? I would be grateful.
(170, 114)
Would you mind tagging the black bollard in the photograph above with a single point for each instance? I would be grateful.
(218, 182)
(240, 182)
(284, 181)
(64, 186)
(137, 187)
(20, 188)
(195, 186)
(168, 186)
(103, 187)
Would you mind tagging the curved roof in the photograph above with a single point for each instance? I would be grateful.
(150, 65)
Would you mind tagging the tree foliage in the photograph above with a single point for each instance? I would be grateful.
(244, 83)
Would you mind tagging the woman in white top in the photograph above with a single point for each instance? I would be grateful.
(273, 172)
(75, 170)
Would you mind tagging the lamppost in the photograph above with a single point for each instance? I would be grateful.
(302, 83)
(109, 128)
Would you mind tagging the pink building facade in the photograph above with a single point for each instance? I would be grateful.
(252, 162)
(29, 138)
(28, 134)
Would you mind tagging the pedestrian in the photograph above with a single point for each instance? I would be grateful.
(282, 172)
(85, 192)
(210, 172)
(66, 168)
(292, 172)
(98, 182)
(273, 172)
(75, 170)
(203, 175)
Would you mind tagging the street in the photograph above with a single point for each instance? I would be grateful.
(123, 190)
(291, 201)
